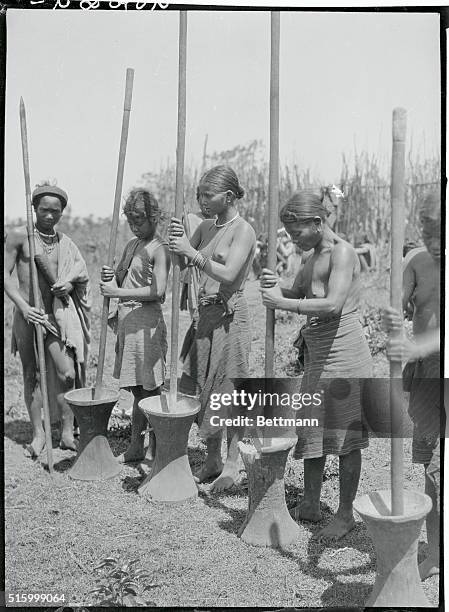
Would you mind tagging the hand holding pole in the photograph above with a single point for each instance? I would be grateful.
(35, 287)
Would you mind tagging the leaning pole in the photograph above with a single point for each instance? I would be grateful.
(268, 522)
(171, 479)
(394, 517)
(93, 406)
(35, 288)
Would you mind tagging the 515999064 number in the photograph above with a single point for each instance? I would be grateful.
(34, 598)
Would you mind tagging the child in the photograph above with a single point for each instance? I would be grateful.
(139, 283)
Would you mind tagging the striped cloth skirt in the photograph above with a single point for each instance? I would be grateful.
(218, 354)
(336, 360)
(141, 346)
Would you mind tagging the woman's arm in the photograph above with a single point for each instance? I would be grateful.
(408, 284)
(196, 237)
(242, 244)
(340, 281)
(149, 293)
(400, 347)
(269, 279)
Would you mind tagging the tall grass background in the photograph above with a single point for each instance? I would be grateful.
(364, 181)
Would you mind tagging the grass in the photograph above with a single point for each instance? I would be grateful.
(58, 530)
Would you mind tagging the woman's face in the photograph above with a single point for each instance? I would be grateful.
(139, 224)
(211, 202)
(304, 232)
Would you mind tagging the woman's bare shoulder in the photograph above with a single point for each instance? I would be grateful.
(245, 230)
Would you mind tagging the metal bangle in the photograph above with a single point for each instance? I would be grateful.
(202, 261)
(199, 260)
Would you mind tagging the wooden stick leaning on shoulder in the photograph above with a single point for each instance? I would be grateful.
(397, 241)
(35, 288)
(114, 226)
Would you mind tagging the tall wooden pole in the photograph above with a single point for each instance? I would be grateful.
(273, 186)
(397, 241)
(179, 199)
(35, 287)
(114, 226)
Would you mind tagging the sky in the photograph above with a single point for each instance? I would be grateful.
(341, 75)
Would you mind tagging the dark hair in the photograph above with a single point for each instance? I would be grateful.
(304, 204)
(46, 188)
(223, 178)
(144, 198)
(430, 207)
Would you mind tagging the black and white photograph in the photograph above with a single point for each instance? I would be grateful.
(223, 288)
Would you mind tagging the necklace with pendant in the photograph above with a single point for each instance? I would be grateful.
(48, 248)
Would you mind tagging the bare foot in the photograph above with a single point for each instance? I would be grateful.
(68, 443)
(145, 467)
(227, 478)
(339, 526)
(429, 567)
(305, 511)
(208, 471)
(132, 455)
(34, 449)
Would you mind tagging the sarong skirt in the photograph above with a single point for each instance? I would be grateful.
(141, 346)
(336, 358)
(425, 408)
(218, 354)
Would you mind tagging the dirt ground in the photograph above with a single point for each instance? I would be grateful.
(58, 530)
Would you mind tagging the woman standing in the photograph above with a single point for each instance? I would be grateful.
(222, 249)
(326, 290)
(139, 282)
(421, 287)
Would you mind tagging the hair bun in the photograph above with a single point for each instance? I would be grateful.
(240, 193)
(223, 178)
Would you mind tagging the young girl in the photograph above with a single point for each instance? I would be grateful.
(139, 282)
(219, 350)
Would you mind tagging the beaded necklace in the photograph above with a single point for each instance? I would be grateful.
(227, 222)
(48, 248)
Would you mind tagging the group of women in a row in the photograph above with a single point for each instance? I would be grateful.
(218, 257)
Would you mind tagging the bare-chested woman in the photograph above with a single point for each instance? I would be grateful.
(421, 288)
(63, 312)
(327, 291)
(223, 250)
